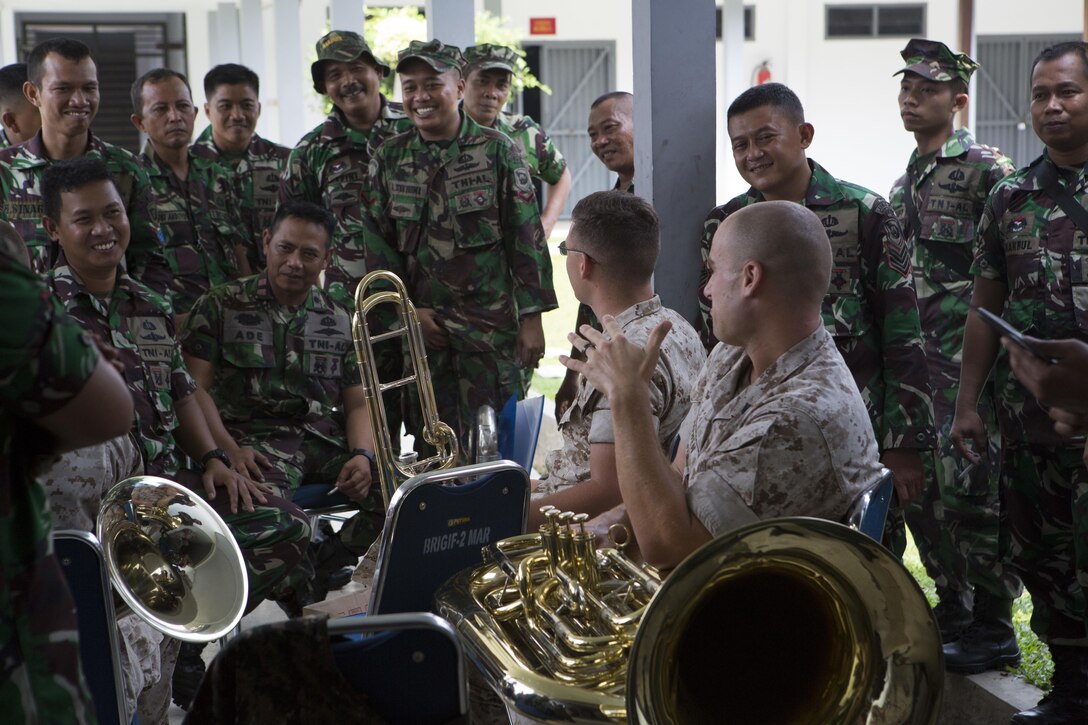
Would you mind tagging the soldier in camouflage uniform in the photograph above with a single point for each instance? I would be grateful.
(85, 216)
(276, 354)
(611, 252)
(1030, 262)
(776, 425)
(870, 306)
(233, 107)
(329, 167)
(18, 117)
(56, 394)
(488, 72)
(457, 201)
(939, 201)
(612, 140)
(64, 87)
(193, 197)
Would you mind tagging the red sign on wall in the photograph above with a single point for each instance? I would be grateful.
(541, 26)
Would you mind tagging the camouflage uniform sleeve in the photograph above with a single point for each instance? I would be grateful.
(146, 254)
(901, 394)
(989, 247)
(895, 197)
(200, 335)
(706, 328)
(297, 183)
(523, 237)
(550, 163)
(45, 356)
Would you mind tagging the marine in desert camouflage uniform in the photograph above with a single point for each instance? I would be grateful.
(611, 251)
(870, 307)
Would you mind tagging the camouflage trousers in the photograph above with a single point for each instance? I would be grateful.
(273, 537)
(955, 522)
(1045, 504)
(463, 382)
(301, 458)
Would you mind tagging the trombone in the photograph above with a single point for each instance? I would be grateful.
(392, 471)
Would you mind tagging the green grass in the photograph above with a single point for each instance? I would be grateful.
(557, 324)
(1035, 665)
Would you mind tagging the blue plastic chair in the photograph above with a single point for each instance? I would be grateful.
(869, 512)
(519, 428)
(412, 670)
(434, 530)
(80, 557)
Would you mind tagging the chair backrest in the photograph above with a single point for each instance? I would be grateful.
(435, 527)
(869, 512)
(413, 671)
(80, 556)
(519, 428)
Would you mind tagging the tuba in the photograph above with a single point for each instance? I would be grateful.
(393, 471)
(790, 620)
(172, 559)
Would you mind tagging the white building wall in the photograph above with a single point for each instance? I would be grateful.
(846, 85)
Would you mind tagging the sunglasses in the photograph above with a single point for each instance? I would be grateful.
(564, 250)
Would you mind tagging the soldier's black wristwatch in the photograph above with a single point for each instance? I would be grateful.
(369, 455)
(215, 453)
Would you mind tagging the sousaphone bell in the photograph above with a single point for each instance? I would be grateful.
(172, 559)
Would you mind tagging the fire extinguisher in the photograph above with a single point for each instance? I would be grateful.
(762, 74)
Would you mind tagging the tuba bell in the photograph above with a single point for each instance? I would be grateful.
(394, 471)
(172, 559)
(790, 620)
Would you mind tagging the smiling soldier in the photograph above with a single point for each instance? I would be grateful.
(457, 200)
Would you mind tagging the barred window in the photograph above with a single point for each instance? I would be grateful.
(875, 21)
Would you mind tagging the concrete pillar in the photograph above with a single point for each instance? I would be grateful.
(289, 62)
(227, 48)
(346, 15)
(674, 152)
(251, 27)
(452, 21)
(732, 81)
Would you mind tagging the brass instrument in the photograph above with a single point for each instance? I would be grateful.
(391, 471)
(485, 439)
(784, 621)
(172, 559)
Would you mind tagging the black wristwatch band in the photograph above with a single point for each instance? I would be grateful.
(369, 455)
(215, 453)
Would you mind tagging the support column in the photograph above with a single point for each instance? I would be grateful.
(227, 48)
(732, 81)
(289, 62)
(346, 15)
(674, 152)
(251, 27)
(452, 21)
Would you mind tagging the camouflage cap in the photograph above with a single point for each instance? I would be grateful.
(933, 60)
(434, 53)
(487, 57)
(343, 45)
